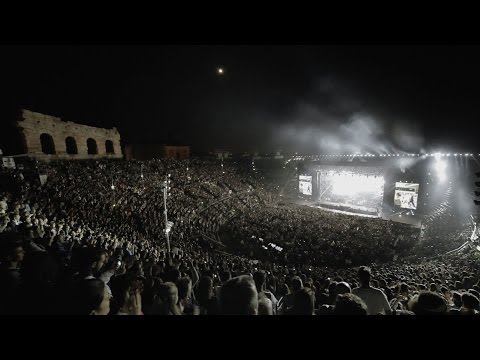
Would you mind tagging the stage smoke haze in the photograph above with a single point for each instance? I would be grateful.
(332, 120)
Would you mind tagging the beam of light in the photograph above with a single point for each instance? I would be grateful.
(440, 167)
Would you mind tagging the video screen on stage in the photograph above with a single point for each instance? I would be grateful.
(353, 187)
(305, 185)
(406, 195)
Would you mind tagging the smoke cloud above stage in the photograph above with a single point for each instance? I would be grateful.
(333, 119)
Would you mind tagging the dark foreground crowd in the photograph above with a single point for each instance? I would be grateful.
(91, 240)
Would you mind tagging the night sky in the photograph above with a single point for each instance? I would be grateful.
(315, 99)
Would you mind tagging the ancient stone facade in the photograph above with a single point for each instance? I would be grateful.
(47, 137)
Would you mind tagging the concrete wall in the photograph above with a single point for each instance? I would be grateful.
(32, 125)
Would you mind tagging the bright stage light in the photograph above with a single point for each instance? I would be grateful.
(440, 167)
(350, 184)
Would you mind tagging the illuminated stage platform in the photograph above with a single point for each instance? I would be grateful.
(401, 217)
(347, 210)
(350, 208)
(344, 212)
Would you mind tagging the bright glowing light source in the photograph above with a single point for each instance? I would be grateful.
(455, 154)
(220, 71)
(348, 184)
(466, 154)
(440, 167)
(112, 187)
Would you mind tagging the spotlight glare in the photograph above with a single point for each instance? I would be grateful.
(440, 167)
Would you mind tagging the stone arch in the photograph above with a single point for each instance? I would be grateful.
(109, 147)
(71, 145)
(48, 145)
(92, 146)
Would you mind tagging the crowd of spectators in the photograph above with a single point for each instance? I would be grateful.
(91, 240)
